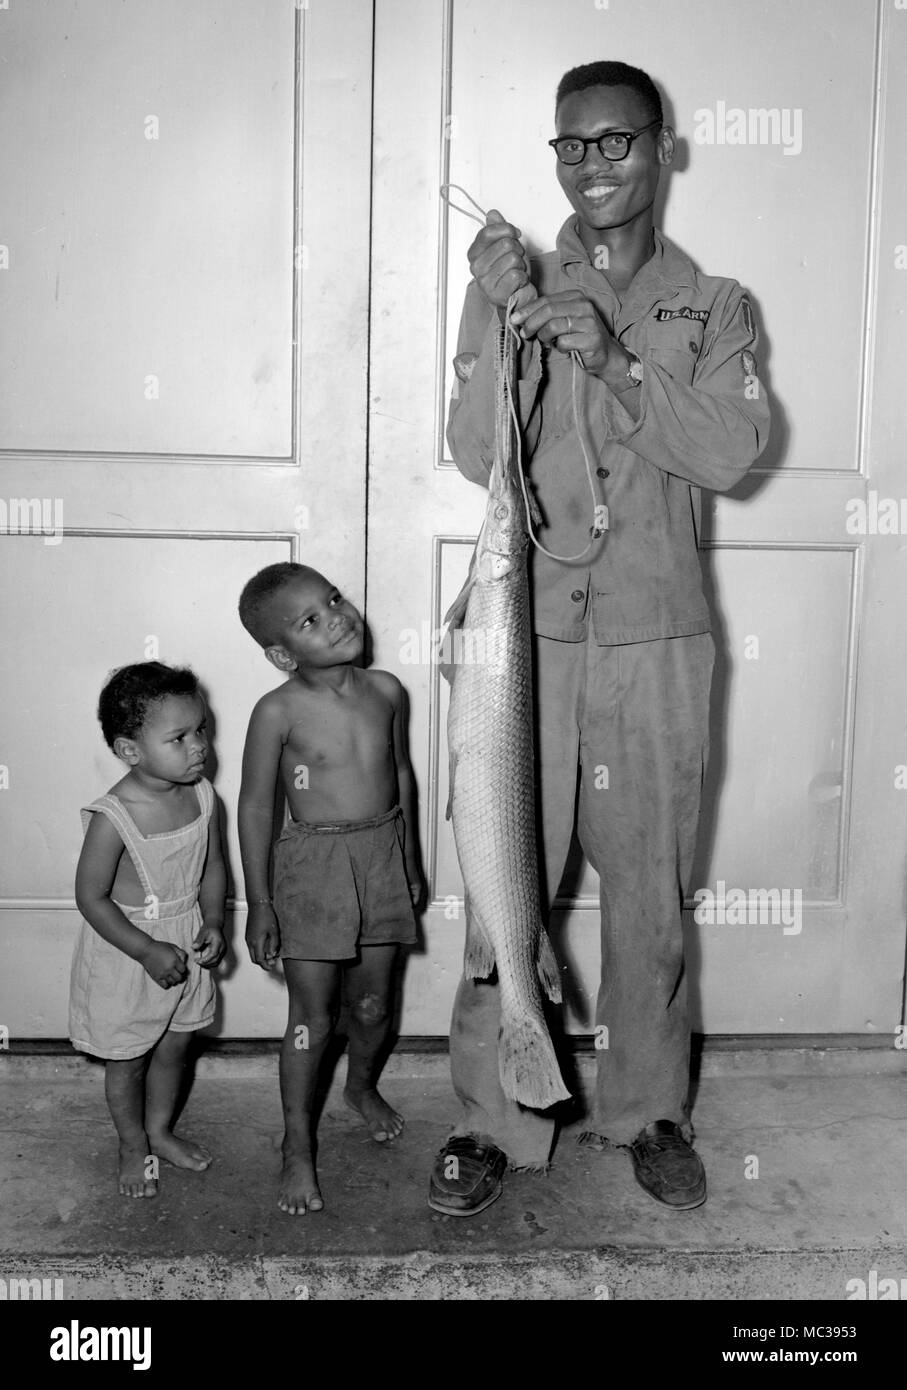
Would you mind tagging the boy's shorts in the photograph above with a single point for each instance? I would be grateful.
(116, 1010)
(339, 887)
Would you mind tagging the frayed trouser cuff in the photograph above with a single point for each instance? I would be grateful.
(590, 1138)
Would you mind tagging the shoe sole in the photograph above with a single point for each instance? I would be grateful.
(472, 1211)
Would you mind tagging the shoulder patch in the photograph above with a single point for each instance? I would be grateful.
(701, 315)
(746, 310)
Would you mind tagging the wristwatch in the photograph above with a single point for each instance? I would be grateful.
(632, 377)
(634, 372)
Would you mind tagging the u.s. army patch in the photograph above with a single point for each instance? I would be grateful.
(701, 315)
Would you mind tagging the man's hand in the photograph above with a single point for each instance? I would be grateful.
(209, 946)
(498, 261)
(165, 964)
(262, 935)
(570, 322)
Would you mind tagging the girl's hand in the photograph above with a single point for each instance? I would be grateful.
(209, 946)
(165, 964)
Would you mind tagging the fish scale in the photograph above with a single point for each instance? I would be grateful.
(492, 776)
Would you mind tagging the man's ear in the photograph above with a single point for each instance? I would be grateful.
(126, 750)
(666, 145)
(280, 657)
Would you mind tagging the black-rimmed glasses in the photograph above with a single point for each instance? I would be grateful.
(614, 144)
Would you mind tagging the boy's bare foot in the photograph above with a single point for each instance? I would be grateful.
(298, 1191)
(132, 1172)
(384, 1123)
(182, 1153)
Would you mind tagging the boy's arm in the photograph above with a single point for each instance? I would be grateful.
(406, 790)
(261, 763)
(209, 941)
(95, 875)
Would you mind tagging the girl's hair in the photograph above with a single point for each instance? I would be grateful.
(129, 691)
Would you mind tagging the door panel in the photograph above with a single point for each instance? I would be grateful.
(807, 728)
(222, 261)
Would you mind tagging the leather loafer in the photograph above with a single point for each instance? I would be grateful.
(667, 1166)
(466, 1177)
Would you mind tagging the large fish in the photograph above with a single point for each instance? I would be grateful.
(492, 777)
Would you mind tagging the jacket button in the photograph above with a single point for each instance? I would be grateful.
(603, 472)
(578, 595)
(693, 346)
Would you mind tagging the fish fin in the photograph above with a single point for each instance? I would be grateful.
(478, 957)
(457, 610)
(527, 1063)
(455, 618)
(547, 966)
(535, 511)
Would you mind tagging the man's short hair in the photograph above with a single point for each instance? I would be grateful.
(125, 699)
(255, 599)
(611, 75)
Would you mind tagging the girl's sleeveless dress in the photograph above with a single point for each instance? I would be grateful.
(116, 1010)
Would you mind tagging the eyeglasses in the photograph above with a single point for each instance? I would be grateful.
(614, 144)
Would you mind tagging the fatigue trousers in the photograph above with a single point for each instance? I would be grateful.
(631, 722)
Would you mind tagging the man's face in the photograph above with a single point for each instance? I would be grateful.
(609, 193)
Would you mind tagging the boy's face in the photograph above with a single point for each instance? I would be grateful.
(609, 193)
(314, 626)
(173, 743)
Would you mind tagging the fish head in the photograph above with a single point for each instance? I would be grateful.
(503, 538)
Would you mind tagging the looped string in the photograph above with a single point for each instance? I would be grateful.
(600, 510)
(445, 194)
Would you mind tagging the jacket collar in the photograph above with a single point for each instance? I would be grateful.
(668, 265)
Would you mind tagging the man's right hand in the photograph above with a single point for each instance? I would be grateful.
(262, 935)
(498, 260)
(165, 964)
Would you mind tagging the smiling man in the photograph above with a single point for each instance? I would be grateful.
(623, 650)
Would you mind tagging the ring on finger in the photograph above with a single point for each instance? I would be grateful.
(569, 324)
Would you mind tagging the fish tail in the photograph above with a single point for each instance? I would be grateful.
(527, 1064)
(547, 966)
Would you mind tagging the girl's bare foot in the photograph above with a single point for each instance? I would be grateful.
(182, 1153)
(133, 1170)
(298, 1191)
(383, 1122)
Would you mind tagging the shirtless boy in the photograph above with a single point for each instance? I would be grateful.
(346, 868)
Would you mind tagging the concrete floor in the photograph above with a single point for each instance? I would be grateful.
(829, 1204)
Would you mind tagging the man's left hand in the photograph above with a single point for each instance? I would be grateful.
(570, 322)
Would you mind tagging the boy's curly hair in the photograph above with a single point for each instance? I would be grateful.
(129, 691)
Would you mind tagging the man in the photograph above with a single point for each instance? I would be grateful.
(623, 651)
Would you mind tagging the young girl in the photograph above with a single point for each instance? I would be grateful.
(151, 886)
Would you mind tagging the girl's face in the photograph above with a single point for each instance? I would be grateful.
(173, 742)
